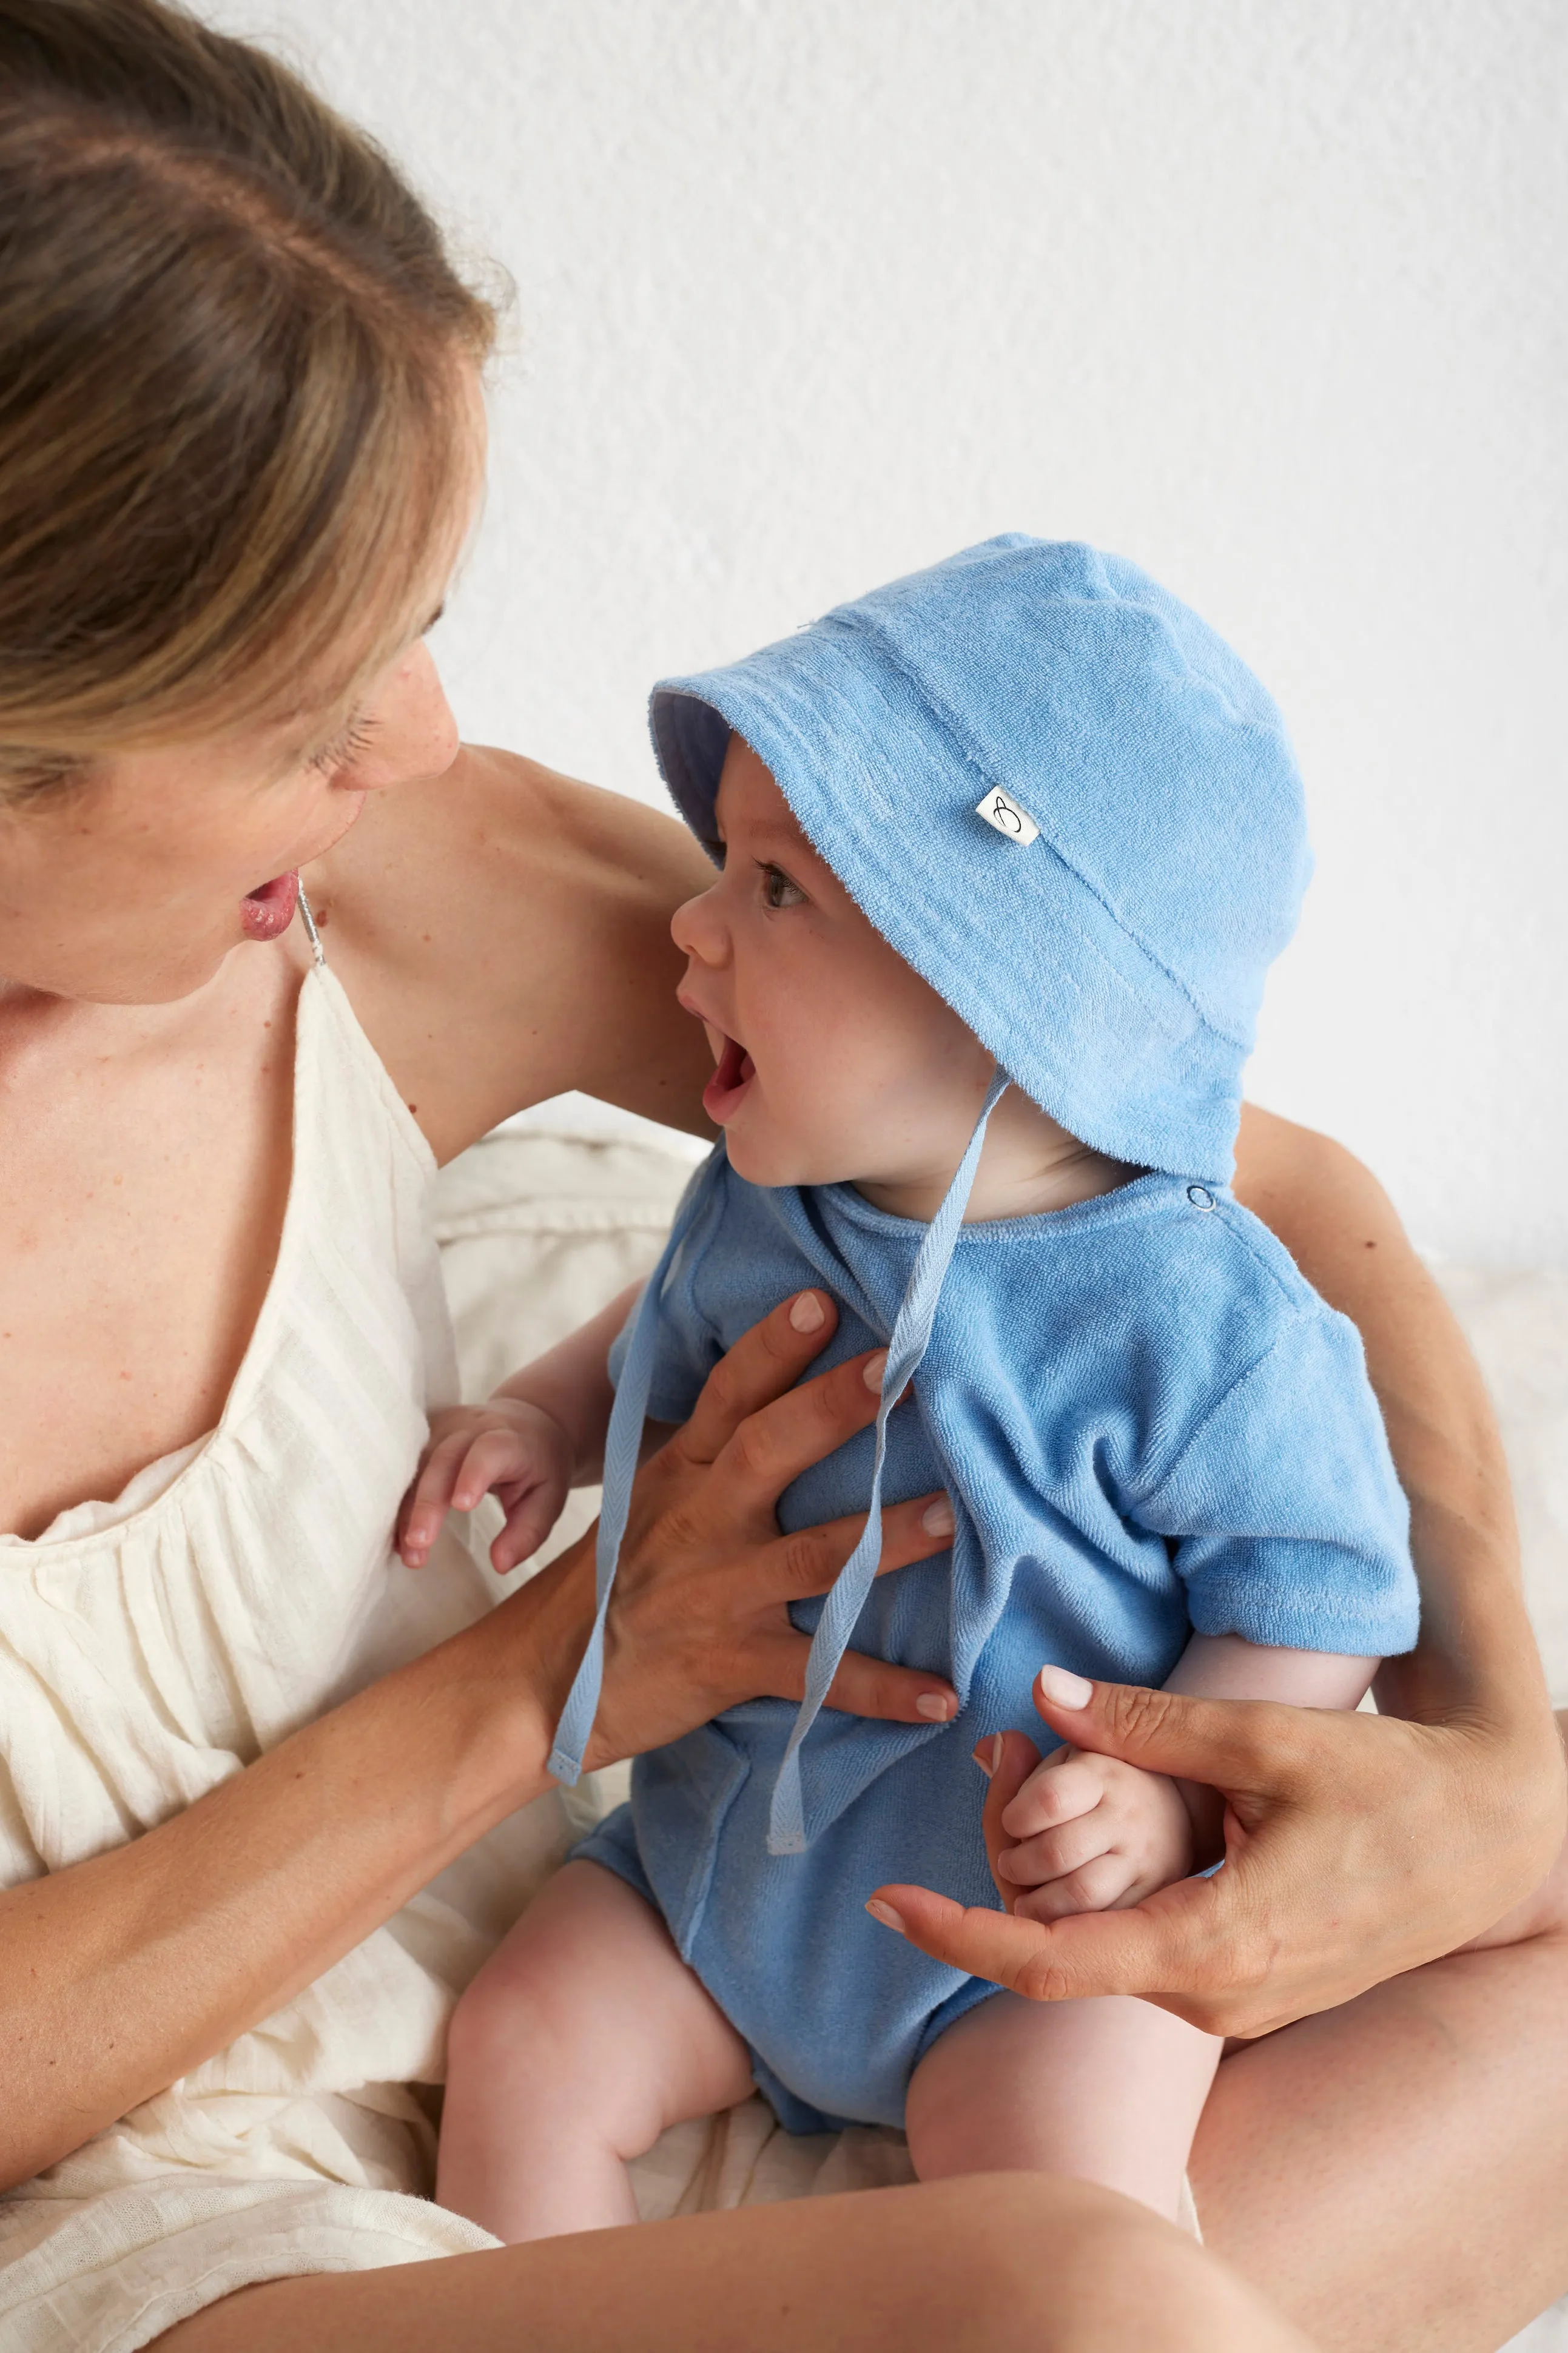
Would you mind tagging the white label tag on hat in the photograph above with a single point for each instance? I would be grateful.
(1000, 810)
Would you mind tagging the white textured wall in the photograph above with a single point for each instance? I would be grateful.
(1268, 294)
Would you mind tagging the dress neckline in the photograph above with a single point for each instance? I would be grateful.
(156, 1484)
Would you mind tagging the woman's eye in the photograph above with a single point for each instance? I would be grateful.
(778, 890)
(345, 748)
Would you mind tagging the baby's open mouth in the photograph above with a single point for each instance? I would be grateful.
(722, 1096)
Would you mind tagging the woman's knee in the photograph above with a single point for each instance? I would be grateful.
(1543, 1913)
(1062, 2266)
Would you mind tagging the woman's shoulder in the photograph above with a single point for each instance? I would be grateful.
(497, 830)
(504, 934)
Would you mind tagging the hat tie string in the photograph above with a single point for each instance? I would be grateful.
(847, 1596)
(623, 1447)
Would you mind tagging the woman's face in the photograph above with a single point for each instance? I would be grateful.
(132, 886)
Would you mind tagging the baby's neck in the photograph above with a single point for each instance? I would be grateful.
(1028, 1165)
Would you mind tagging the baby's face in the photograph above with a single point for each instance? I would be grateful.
(836, 1062)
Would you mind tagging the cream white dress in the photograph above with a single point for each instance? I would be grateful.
(151, 1647)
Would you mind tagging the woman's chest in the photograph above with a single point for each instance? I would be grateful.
(144, 1173)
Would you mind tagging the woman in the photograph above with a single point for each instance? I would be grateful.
(240, 450)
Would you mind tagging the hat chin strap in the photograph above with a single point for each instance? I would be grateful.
(623, 1445)
(846, 1598)
(911, 1338)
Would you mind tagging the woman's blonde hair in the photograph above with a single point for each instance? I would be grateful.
(232, 426)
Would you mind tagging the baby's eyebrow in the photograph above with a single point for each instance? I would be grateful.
(771, 832)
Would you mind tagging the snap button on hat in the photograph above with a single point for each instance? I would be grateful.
(1200, 1197)
(1013, 823)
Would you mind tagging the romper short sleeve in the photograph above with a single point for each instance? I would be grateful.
(1286, 1518)
(688, 1346)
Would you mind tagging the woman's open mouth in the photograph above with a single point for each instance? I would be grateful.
(725, 1090)
(266, 912)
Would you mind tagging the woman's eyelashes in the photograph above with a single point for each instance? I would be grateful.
(350, 744)
(779, 890)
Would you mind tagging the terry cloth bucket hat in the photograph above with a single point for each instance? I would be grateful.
(1104, 928)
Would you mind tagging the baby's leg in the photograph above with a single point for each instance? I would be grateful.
(578, 2043)
(1108, 2090)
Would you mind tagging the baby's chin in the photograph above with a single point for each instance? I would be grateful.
(763, 1157)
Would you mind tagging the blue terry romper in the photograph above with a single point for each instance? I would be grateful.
(1149, 1425)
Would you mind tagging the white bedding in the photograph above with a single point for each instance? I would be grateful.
(542, 1223)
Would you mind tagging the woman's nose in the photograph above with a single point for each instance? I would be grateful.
(414, 733)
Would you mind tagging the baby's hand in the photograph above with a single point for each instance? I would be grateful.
(516, 1450)
(1094, 1835)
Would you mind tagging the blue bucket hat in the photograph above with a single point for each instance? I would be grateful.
(1104, 928)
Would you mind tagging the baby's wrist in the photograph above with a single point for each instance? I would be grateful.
(548, 1424)
(516, 1407)
(1205, 1809)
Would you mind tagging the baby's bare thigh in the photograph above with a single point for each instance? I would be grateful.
(591, 1972)
(1108, 2090)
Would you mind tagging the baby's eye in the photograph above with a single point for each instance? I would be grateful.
(778, 890)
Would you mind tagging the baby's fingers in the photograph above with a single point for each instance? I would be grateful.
(1099, 1886)
(493, 1456)
(1055, 1793)
(1054, 1853)
(528, 1523)
(460, 1470)
(430, 1498)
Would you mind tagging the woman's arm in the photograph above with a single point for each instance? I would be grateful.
(1477, 1653)
(1358, 1846)
(504, 935)
(121, 1973)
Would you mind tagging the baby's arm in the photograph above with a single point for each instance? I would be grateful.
(1094, 1834)
(541, 1434)
(1224, 1666)
(1284, 1516)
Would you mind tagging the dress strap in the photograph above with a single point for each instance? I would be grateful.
(312, 934)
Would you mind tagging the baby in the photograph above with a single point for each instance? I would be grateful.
(1004, 852)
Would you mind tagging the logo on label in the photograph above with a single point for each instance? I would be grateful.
(1003, 814)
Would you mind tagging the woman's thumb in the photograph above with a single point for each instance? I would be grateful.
(1226, 1744)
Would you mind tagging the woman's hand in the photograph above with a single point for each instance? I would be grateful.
(1356, 1846)
(699, 1620)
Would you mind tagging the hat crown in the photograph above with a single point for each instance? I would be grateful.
(1142, 745)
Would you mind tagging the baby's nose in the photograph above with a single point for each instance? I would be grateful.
(696, 930)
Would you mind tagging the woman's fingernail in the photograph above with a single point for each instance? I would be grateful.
(937, 1518)
(885, 1914)
(935, 1706)
(875, 1367)
(808, 1312)
(1064, 1690)
(988, 1756)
